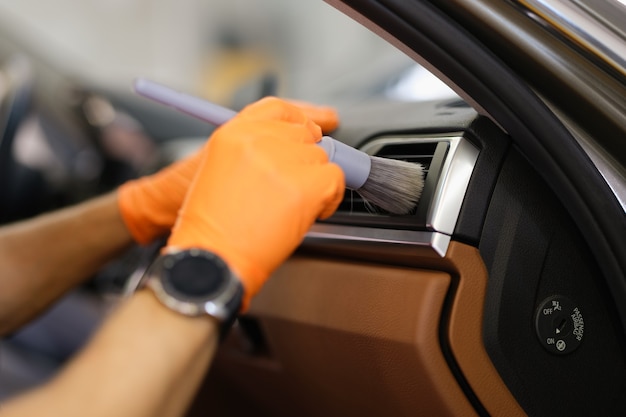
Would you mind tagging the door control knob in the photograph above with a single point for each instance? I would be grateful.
(559, 324)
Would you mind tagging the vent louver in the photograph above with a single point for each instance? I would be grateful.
(449, 161)
(419, 153)
(430, 152)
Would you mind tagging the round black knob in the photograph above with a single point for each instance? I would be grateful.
(559, 324)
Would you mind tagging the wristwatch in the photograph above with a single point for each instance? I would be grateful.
(195, 282)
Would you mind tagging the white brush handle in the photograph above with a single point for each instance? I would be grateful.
(355, 164)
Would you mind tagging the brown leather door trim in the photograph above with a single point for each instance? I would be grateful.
(344, 338)
(465, 333)
(356, 338)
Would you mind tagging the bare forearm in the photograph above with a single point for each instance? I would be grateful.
(42, 258)
(146, 361)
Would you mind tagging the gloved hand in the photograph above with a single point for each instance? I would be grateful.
(323, 116)
(261, 185)
(149, 205)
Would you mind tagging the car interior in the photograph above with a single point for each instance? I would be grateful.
(502, 293)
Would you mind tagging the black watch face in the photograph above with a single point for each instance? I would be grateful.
(195, 275)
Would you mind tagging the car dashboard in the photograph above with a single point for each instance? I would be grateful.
(441, 310)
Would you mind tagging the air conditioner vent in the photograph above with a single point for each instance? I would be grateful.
(419, 153)
(448, 161)
(412, 152)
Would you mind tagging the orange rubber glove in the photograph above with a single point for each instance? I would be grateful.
(149, 205)
(261, 185)
(324, 116)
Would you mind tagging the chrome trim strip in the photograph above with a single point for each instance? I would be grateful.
(440, 243)
(450, 192)
(370, 234)
(350, 236)
(372, 147)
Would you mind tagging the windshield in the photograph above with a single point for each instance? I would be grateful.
(231, 51)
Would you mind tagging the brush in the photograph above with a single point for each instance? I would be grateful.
(393, 185)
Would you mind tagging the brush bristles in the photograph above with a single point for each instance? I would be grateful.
(395, 186)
